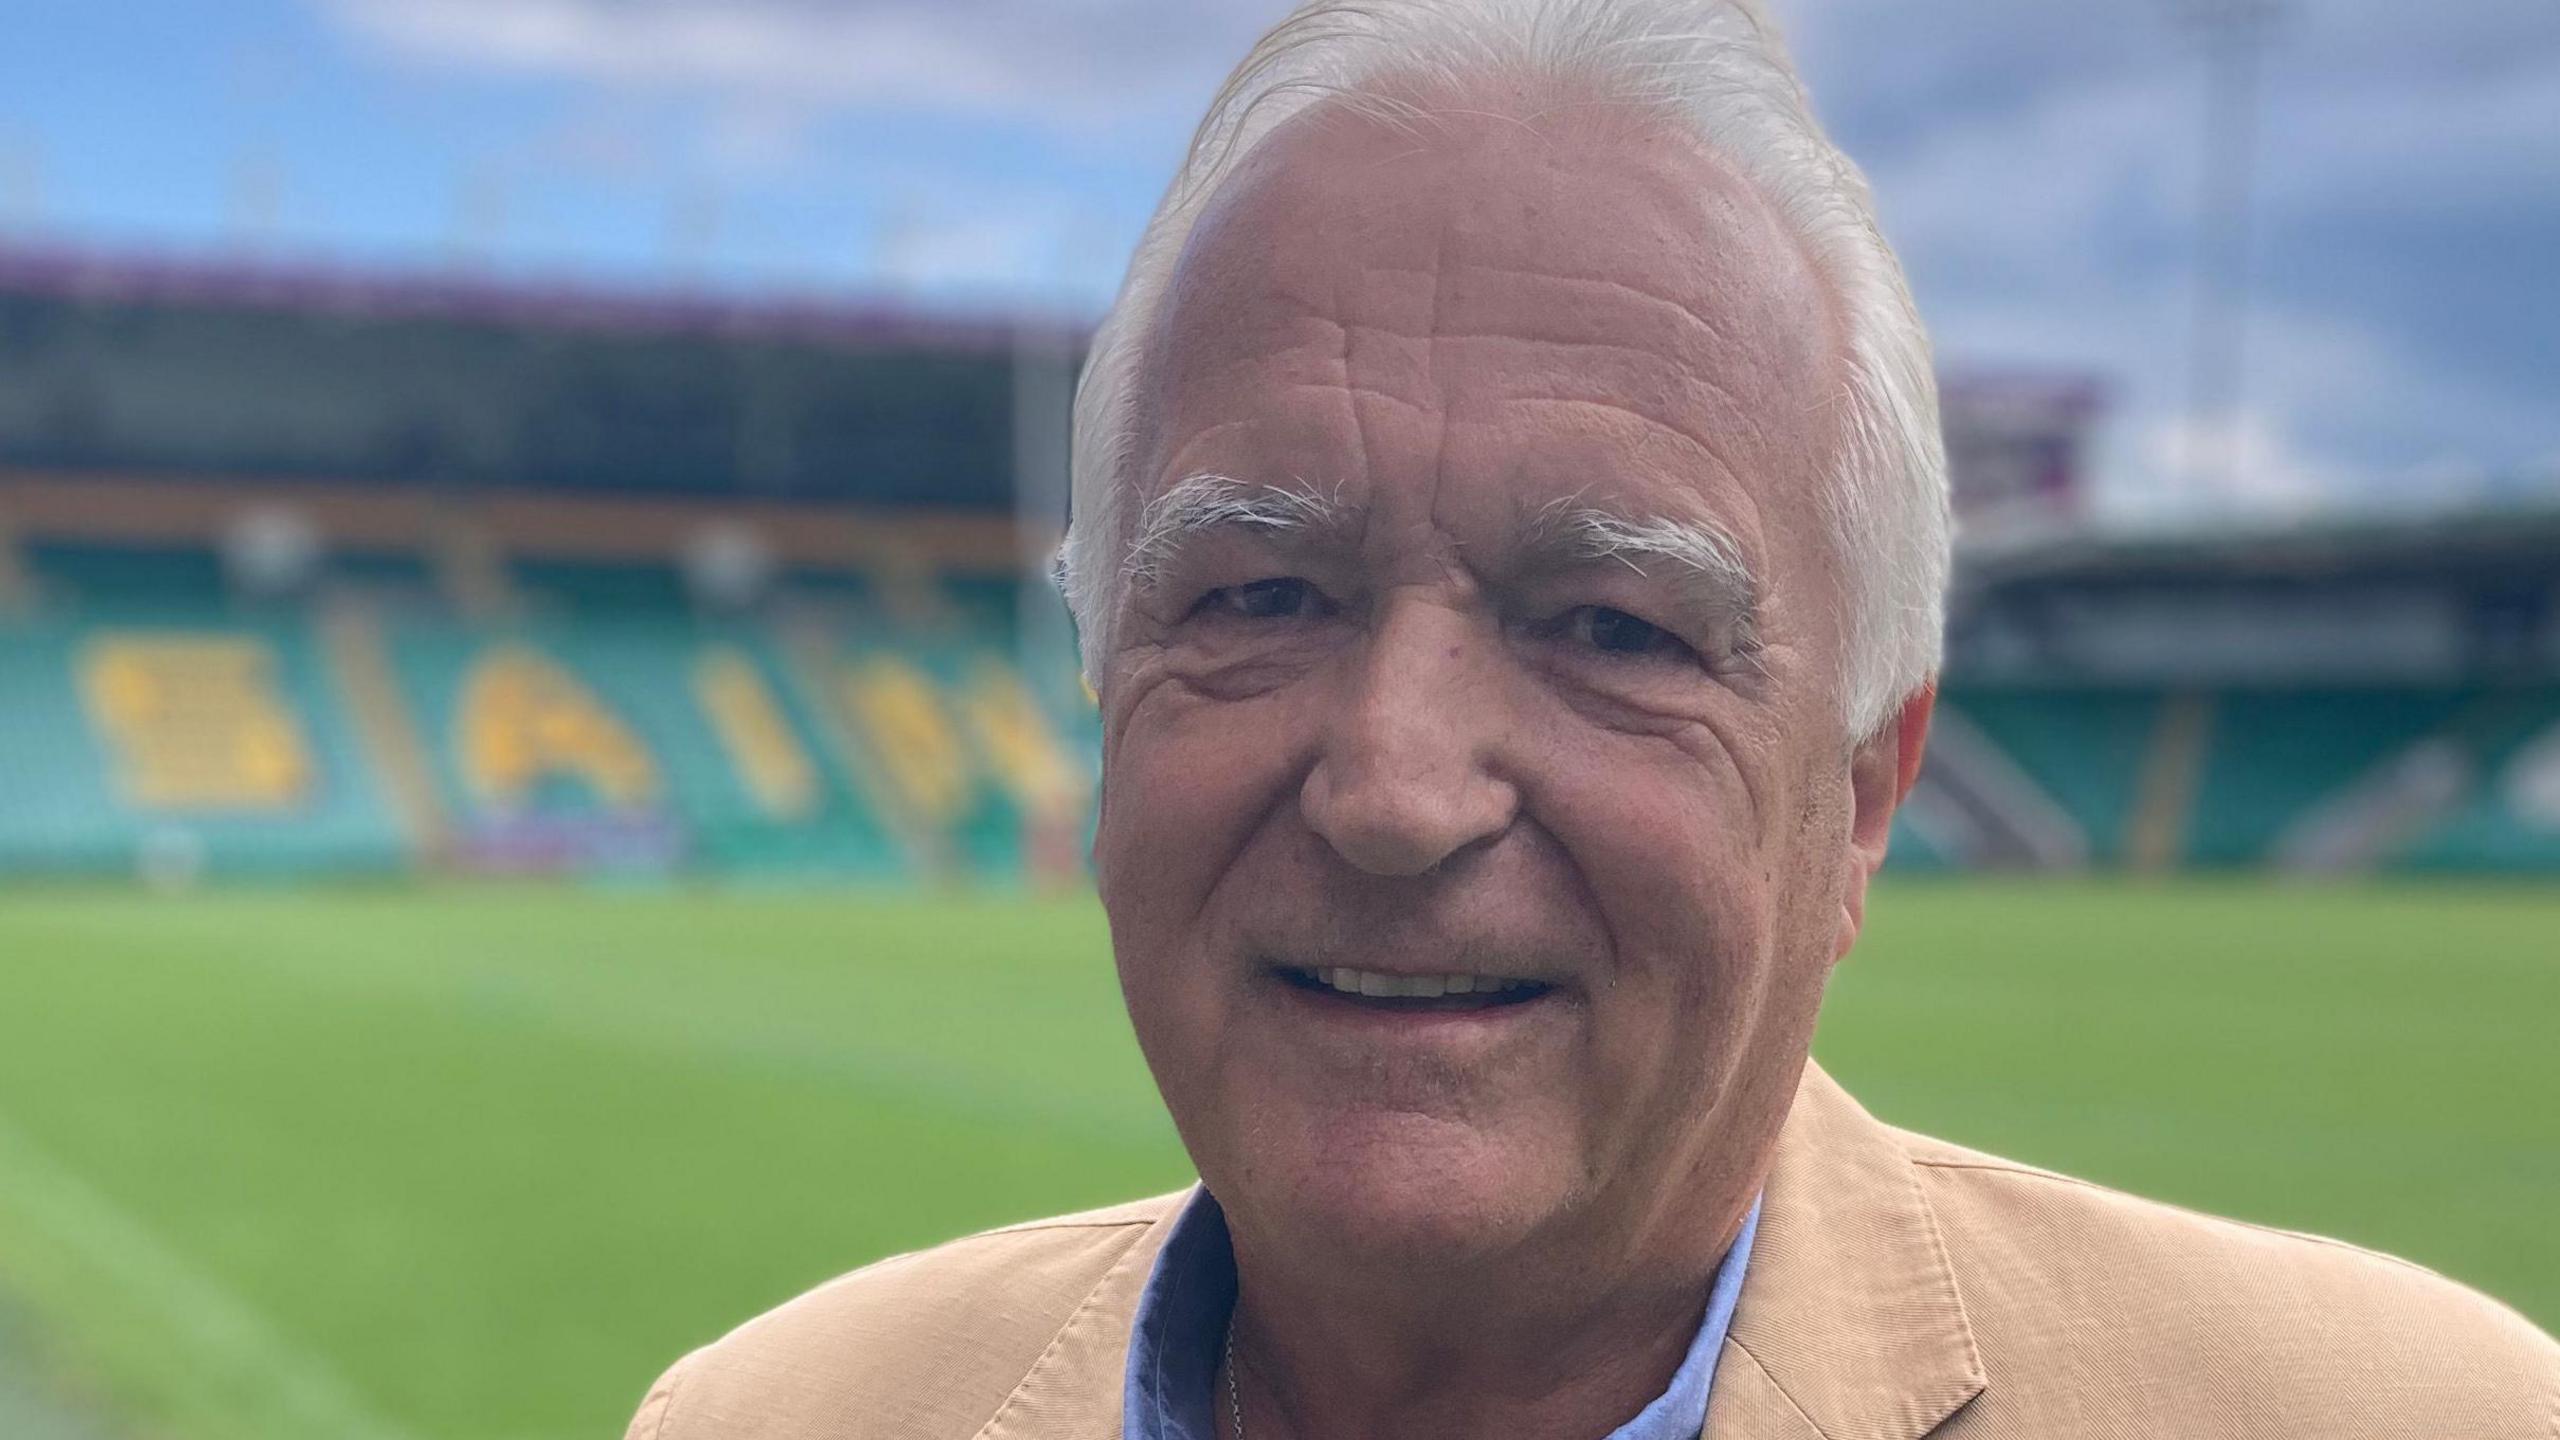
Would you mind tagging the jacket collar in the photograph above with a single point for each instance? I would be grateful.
(1850, 1327)
(1073, 1390)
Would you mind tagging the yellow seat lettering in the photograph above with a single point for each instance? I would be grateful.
(909, 728)
(1020, 746)
(524, 719)
(196, 722)
(763, 749)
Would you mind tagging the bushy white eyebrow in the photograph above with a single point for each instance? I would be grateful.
(1699, 558)
(1205, 503)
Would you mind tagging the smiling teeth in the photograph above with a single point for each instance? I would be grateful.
(1369, 982)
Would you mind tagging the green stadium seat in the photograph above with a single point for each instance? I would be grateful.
(2083, 747)
(2277, 756)
(2510, 818)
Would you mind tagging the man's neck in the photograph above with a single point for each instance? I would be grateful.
(1529, 1348)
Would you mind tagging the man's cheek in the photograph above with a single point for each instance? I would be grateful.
(1171, 828)
(1170, 805)
(1673, 871)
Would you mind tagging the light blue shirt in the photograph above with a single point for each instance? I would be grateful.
(1181, 1330)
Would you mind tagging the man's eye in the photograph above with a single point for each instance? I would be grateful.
(1615, 632)
(1286, 598)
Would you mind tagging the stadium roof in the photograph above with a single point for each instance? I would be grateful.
(2520, 538)
(306, 285)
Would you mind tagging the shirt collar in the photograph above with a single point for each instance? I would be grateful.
(1179, 1335)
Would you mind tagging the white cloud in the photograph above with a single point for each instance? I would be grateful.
(1067, 59)
(2244, 466)
(989, 253)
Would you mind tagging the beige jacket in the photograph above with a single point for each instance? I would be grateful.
(1899, 1287)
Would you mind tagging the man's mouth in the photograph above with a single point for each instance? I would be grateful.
(1376, 990)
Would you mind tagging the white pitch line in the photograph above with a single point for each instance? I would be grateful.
(222, 1328)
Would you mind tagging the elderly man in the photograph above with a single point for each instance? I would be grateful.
(1509, 547)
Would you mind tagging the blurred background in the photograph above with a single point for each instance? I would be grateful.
(540, 812)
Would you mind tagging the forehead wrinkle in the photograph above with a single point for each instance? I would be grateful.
(1704, 318)
(1359, 391)
(1653, 426)
(1672, 369)
(1558, 308)
(1481, 303)
(1524, 336)
(1638, 365)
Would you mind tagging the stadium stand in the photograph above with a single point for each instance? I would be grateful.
(313, 573)
(2343, 695)
(169, 736)
(608, 725)
(2278, 759)
(2507, 817)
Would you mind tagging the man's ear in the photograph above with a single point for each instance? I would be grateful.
(1881, 772)
(1101, 792)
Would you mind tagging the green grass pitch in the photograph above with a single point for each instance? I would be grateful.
(471, 1164)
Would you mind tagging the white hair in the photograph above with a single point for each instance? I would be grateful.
(1717, 66)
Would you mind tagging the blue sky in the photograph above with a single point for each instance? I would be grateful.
(2037, 162)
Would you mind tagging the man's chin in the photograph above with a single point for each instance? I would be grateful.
(1403, 1193)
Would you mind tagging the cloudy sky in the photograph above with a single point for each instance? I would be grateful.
(2038, 163)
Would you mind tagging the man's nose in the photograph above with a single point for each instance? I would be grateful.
(1409, 774)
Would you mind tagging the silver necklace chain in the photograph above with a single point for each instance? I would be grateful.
(1235, 1399)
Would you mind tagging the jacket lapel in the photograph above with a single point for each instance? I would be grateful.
(1072, 1392)
(1850, 1327)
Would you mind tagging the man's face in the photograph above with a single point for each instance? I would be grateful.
(1411, 722)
